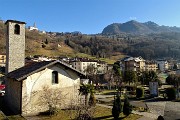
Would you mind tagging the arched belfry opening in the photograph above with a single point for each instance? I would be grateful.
(17, 29)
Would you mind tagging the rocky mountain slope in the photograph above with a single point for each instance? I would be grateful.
(135, 27)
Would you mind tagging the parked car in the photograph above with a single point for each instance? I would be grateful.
(2, 90)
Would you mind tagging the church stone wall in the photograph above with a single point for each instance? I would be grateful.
(15, 47)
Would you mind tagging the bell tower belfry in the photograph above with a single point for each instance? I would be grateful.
(15, 45)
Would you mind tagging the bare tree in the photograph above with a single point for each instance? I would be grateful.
(80, 110)
(91, 72)
(109, 78)
(53, 98)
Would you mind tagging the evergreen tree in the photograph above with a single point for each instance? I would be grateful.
(127, 108)
(116, 110)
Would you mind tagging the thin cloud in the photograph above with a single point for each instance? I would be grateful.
(132, 18)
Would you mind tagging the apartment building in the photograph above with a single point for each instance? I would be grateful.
(132, 64)
(81, 64)
(151, 66)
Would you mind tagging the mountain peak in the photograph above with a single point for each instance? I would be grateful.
(132, 21)
(136, 27)
(151, 23)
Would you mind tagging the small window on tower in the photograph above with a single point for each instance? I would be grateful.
(17, 29)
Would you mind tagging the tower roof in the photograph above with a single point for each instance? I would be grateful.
(15, 21)
(34, 25)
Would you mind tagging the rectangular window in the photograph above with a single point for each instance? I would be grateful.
(54, 77)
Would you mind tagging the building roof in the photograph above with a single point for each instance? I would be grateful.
(84, 60)
(15, 21)
(150, 62)
(129, 59)
(137, 59)
(23, 72)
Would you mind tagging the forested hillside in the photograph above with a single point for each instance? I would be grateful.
(152, 46)
(149, 46)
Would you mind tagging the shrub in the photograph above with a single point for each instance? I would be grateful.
(84, 117)
(46, 42)
(116, 110)
(171, 93)
(127, 108)
(130, 88)
(43, 46)
(52, 110)
(160, 118)
(139, 92)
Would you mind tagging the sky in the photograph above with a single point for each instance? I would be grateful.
(89, 16)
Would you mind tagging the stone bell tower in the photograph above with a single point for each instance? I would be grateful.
(15, 45)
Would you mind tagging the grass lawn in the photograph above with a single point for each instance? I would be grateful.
(108, 92)
(2, 116)
(15, 117)
(100, 113)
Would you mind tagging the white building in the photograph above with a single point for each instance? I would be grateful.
(162, 65)
(33, 27)
(82, 63)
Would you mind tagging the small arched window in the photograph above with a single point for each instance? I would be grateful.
(54, 77)
(17, 29)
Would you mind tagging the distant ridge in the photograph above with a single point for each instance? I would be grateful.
(136, 27)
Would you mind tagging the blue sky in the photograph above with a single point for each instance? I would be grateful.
(89, 16)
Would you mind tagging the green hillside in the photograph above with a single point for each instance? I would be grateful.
(47, 45)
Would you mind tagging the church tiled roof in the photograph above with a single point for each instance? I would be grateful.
(23, 72)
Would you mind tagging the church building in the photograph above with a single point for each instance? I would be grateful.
(25, 83)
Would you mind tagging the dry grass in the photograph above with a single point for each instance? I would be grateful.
(2, 116)
(101, 113)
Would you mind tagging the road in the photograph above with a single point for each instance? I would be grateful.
(172, 111)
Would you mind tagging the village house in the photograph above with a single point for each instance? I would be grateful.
(101, 67)
(1, 21)
(2, 60)
(162, 65)
(132, 64)
(26, 84)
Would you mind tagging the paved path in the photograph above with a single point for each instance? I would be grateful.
(145, 118)
(157, 107)
(169, 110)
(172, 111)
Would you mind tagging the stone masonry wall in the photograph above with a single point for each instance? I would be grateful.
(15, 47)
